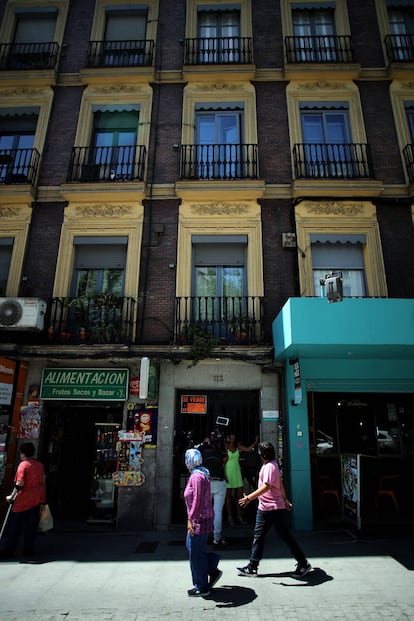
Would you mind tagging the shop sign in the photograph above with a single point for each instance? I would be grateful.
(7, 370)
(194, 404)
(84, 384)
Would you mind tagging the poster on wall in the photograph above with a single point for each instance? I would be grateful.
(7, 370)
(144, 419)
(129, 460)
(351, 488)
(30, 420)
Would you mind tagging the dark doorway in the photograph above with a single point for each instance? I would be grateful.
(71, 455)
(226, 410)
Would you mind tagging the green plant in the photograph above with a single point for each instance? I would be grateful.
(201, 344)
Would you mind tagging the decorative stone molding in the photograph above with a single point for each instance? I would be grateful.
(8, 212)
(105, 211)
(321, 85)
(335, 208)
(22, 92)
(219, 209)
(117, 88)
(218, 86)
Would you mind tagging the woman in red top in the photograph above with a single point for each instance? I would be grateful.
(28, 494)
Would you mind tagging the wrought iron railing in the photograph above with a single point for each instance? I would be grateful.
(219, 161)
(25, 56)
(102, 318)
(319, 49)
(408, 154)
(19, 166)
(400, 48)
(103, 164)
(230, 320)
(129, 53)
(322, 160)
(219, 51)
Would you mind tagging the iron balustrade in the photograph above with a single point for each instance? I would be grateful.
(319, 49)
(323, 160)
(219, 51)
(219, 161)
(400, 48)
(24, 56)
(19, 166)
(103, 164)
(102, 318)
(408, 154)
(230, 320)
(128, 53)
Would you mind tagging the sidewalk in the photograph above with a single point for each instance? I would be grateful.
(103, 575)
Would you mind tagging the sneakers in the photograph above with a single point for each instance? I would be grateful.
(248, 571)
(302, 569)
(215, 577)
(198, 593)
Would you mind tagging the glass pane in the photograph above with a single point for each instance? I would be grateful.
(232, 281)
(112, 281)
(85, 283)
(410, 117)
(312, 127)
(335, 128)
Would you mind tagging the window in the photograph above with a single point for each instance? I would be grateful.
(114, 142)
(125, 35)
(343, 253)
(34, 36)
(219, 280)
(219, 33)
(401, 21)
(6, 248)
(218, 139)
(314, 33)
(99, 266)
(17, 135)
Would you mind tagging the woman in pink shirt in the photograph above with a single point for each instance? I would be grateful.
(28, 494)
(273, 511)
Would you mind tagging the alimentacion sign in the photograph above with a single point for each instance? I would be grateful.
(85, 384)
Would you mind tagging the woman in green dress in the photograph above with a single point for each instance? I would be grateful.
(234, 476)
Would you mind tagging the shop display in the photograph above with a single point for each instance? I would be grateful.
(103, 488)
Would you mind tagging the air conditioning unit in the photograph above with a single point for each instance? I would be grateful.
(22, 313)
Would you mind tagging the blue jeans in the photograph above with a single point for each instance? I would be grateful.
(279, 519)
(202, 563)
(218, 492)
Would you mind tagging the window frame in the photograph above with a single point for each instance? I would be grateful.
(344, 217)
(402, 93)
(244, 7)
(341, 19)
(99, 20)
(8, 25)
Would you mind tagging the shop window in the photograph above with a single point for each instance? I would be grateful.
(314, 32)
(6, 248)
(114, 143)
(339, 253)
(17, 135)
(219, 141)
(218, 33)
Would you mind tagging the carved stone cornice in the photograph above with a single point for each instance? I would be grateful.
(102, 211)
(21, 92)
(219, 209)
(113, 89)
(335, 208)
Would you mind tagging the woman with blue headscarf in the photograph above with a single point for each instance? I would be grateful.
(200, 515)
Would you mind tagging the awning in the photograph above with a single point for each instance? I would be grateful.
(338, 238)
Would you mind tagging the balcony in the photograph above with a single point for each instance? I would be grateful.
(28, 56)
(219, 161)
(19, 166)
(408, 154)
(219, 51)
(319, 49)
(400, 48)
(120, 53)
(332, 161)
(102, 318)
(234, 320)
(106, 164)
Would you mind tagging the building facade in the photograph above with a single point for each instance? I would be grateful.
(177, 180)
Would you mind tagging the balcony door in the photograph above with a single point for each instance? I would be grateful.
(314, 32)
(125, 34)
(218, 136)
(326, 135)
(218, 33)
(17, 135)
(401, 20)
(219, 281)
(114, 143)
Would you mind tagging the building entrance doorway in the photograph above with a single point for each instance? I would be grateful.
(225, 411)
